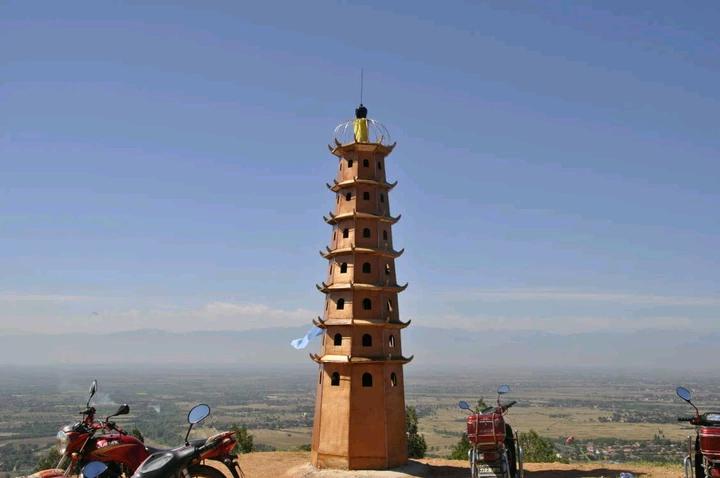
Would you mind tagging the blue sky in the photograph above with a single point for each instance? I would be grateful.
(163, 164)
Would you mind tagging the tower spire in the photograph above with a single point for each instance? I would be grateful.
(362, 73)
(360, 126)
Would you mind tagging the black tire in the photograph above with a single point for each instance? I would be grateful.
(510, 447)
(204, 471)
(473, 464)
(699, 469)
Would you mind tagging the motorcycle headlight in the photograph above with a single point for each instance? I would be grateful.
(62, 442)
(155, 462)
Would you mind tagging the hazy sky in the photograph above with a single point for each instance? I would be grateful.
(163, 164)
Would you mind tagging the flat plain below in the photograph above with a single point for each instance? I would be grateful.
(615, 415)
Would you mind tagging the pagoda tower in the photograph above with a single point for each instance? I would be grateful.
(360, 401)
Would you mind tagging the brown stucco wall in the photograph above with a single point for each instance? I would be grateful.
(368, 446)
(395, 417)
(332, 426)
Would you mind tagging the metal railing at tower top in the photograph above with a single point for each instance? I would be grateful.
(362, 130)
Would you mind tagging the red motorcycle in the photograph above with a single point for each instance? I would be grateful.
(495, 450)
(121, 453)
(180, 462)
(706, 461)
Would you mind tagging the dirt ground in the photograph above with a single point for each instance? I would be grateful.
(297, 465)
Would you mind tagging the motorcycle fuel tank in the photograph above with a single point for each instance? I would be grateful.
(118, 448)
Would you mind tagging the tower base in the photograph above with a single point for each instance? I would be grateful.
(323, 460)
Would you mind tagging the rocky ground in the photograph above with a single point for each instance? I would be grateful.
(297, 465)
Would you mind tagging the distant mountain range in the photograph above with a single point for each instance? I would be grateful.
(669, 349)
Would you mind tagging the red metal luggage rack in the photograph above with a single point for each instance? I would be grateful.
(710, 442)
(487, 429)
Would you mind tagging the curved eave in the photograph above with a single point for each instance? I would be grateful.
(361, 250)
(352, 359)
(324, 324)
(337, 186)
(334, 219)
(345, 148)
(351, 286)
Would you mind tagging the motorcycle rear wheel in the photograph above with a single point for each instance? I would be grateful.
(204, 471)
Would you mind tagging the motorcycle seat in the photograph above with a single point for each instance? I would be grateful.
(196, 443)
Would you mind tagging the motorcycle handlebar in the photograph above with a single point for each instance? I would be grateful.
(509, 404)
(686, 419)
(112, 426)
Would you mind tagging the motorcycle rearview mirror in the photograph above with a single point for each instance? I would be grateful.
(123, 410)
(464, 405)
(503, 389)
(684, 393)
(94, 469)
(93, 389)
(196, 415)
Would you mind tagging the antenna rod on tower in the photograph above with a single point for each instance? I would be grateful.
(362, 71)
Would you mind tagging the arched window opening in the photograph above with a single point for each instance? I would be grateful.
(382, 197)
(350, 163)
(366, 268)
(389, 304)
(367, 380)
(393, 379)
(387, 269)
(385, 236)
(392, 341)
(366, 196)
(367, 304)
(343, 268)
(366, 163)
(348, 196)
(335, 379)
(337, 200)
(366, 232)
(340, 304)
(334, 235)
(367, 340)
(346, 233)
(320, 377)
(379, 165)
(337, 340)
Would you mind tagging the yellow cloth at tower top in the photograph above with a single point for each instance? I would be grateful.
(361, 130)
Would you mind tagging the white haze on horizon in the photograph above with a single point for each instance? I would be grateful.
(574, 311)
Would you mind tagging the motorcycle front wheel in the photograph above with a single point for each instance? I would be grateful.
(204, 471)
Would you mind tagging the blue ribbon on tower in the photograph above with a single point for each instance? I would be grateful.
(301, 343)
